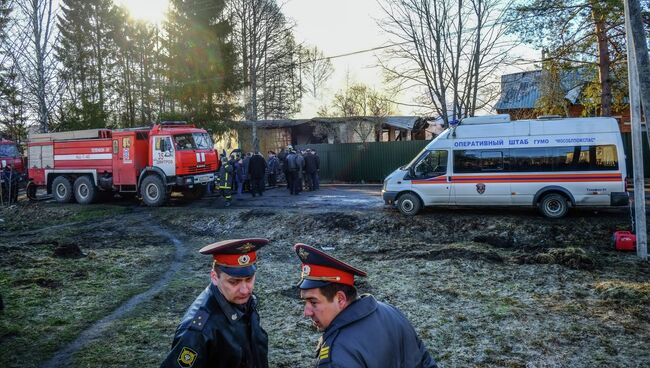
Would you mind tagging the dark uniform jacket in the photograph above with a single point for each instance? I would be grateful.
(215, 333)
(371, 334)
(257, 167)
(274, 165)
(312, 163)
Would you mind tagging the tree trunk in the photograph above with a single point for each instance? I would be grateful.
(477, 52)
(603, 61)
(44, 125)
(100, 64)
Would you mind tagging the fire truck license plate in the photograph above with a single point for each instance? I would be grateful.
(204, 178)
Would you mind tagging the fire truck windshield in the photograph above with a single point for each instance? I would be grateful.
(8, 150)
(192, 141)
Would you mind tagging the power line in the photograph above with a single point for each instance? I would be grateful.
(468, 30)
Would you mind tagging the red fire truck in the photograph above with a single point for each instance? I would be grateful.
(12, 171)
(150, 162)
(11, 157)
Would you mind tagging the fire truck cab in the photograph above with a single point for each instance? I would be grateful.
(10, 156)
(150, 162)
(12, 171)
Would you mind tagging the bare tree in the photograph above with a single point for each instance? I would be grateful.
(317, 69)
(265, 41)
(366, 107)
(448, 49)
(35, 37)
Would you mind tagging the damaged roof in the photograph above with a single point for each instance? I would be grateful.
(521, 90)
(279, 123)
(399, 122)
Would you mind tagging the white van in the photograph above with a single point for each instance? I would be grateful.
(551, 163)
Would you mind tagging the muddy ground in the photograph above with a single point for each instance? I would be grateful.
(483, 288)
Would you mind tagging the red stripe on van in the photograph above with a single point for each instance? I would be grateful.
(525, 178)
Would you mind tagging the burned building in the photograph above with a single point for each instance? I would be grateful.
(275, 134)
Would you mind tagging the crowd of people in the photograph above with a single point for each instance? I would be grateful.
(252, 172)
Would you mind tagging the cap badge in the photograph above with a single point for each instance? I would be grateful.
(247, 247)
(305, 270)
(303, 254)
(243, 260)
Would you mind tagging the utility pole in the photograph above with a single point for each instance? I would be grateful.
(641, 53)
(637, 140)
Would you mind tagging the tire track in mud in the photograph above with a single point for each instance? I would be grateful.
(62, 357)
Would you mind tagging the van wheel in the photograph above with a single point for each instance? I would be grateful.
(553, 206)
(153, 191)
(84, 190)
(408, 204)
(62, 189)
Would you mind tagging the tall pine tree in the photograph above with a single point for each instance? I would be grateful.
(588, 34)
(201, 63)
(13, 121)
(85, 52)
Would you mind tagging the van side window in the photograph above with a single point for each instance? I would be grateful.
(571, 158)
(431, 165)
(476, 161)
(605, 157)
(568, 158)
(492, 161)
(530, 159)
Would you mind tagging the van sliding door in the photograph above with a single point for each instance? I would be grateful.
(480, 179)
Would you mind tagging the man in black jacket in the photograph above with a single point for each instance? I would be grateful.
(312, 165)
(222, 327)
(357, 331)
(256, 172)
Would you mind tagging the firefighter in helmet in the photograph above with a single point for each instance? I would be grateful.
(225, 175)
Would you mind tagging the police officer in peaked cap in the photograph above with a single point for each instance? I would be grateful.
(222, 327)
(358, 331)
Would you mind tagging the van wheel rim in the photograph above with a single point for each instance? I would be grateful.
(60, 190)
(407, 206)
(554, 206)
(152, 191)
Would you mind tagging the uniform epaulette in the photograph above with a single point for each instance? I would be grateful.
(199, 320)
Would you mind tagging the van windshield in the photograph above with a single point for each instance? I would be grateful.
(424, 150)
(192, 141)
(415, 159)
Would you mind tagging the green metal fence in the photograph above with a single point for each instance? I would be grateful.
(372, 162)
(363, 162)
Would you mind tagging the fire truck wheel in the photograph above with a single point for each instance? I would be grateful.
(30, 191)
(409, 204)
(62, 189)
(153, 191)
(553, 205)
(84, 190)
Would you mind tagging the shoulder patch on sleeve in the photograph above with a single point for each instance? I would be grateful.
(199, 320)
(187, 357)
